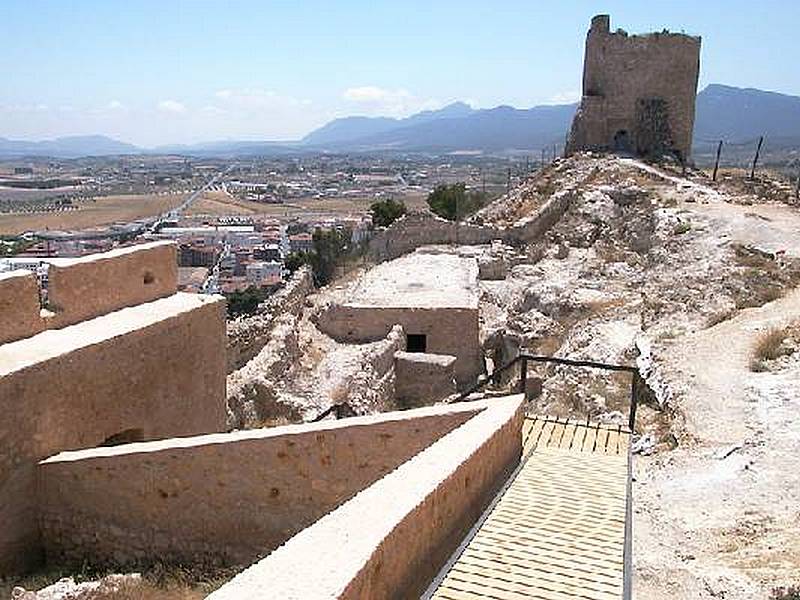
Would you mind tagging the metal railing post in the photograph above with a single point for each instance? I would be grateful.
(523, 375)
(632, 415)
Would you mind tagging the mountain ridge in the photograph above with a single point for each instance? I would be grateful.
(736, 115)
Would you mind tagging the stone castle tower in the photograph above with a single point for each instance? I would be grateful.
(638, 93)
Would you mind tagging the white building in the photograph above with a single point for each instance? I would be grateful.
(262, 273)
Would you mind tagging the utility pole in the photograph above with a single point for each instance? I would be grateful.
(554, 153)
(508, 181)
(755, 160)
(716, 162)
(797, 187)
(542, 158)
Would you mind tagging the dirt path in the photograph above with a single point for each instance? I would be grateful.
(720, 516)
(768, 227)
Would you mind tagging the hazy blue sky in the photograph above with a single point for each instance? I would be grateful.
(157, 71)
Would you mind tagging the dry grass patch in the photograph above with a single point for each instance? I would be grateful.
(769, 347)
(762, 277)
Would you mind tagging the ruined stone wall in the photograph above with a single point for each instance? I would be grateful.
(154, 370)
(532, 228)
(252, 398)
(363, 376)
(223, 498)
(639, 92)
(424, 229)
(453, 331)
(422, 379)
(19, 306)
(248, 335)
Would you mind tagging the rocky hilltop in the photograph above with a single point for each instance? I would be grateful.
(616, 260)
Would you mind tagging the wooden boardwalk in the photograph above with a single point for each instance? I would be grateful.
(557, 529)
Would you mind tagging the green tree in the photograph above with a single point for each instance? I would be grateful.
(331, 246)
(386, 212)
(453, 202)
(295, 260)
(246, 302)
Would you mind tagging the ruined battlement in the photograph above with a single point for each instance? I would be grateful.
(638, 92)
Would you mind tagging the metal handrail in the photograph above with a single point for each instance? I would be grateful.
(570, 362)
(340, 411)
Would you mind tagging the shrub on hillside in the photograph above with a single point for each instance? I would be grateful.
(386, 212)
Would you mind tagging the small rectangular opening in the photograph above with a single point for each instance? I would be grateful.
(416, 342)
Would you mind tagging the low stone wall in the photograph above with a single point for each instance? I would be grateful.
(425, 229)
(391, 539)
(248, 335)
(423, 379)
(149, 371)
(532, 228)
(83, 288)
(223, 498)
(19, 306)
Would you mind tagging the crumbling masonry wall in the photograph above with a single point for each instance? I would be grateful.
(638, 92)
(222, 498)
(248, 335)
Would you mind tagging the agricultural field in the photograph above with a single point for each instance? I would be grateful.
(220, 203)
(94, 212)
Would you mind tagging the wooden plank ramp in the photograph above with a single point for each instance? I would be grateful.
(556, 531)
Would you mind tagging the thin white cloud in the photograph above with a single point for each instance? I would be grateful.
(389, 102)
(171, 106)
(371, 93)
(255, 99)
(567, 97)
(115, 105)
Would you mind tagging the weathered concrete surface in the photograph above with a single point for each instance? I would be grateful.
(221, 498)
(638, 92)
(19, 306)
(423, 378)
(392, 538)
(83, 288)
(158, 367)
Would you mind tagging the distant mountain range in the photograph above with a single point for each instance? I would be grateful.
(739, 115)
(67, 147)
(736, 115)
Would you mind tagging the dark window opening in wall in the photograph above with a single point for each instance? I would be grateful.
(124, 437)
(416, 342)
(622, 141)
(149, 278)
